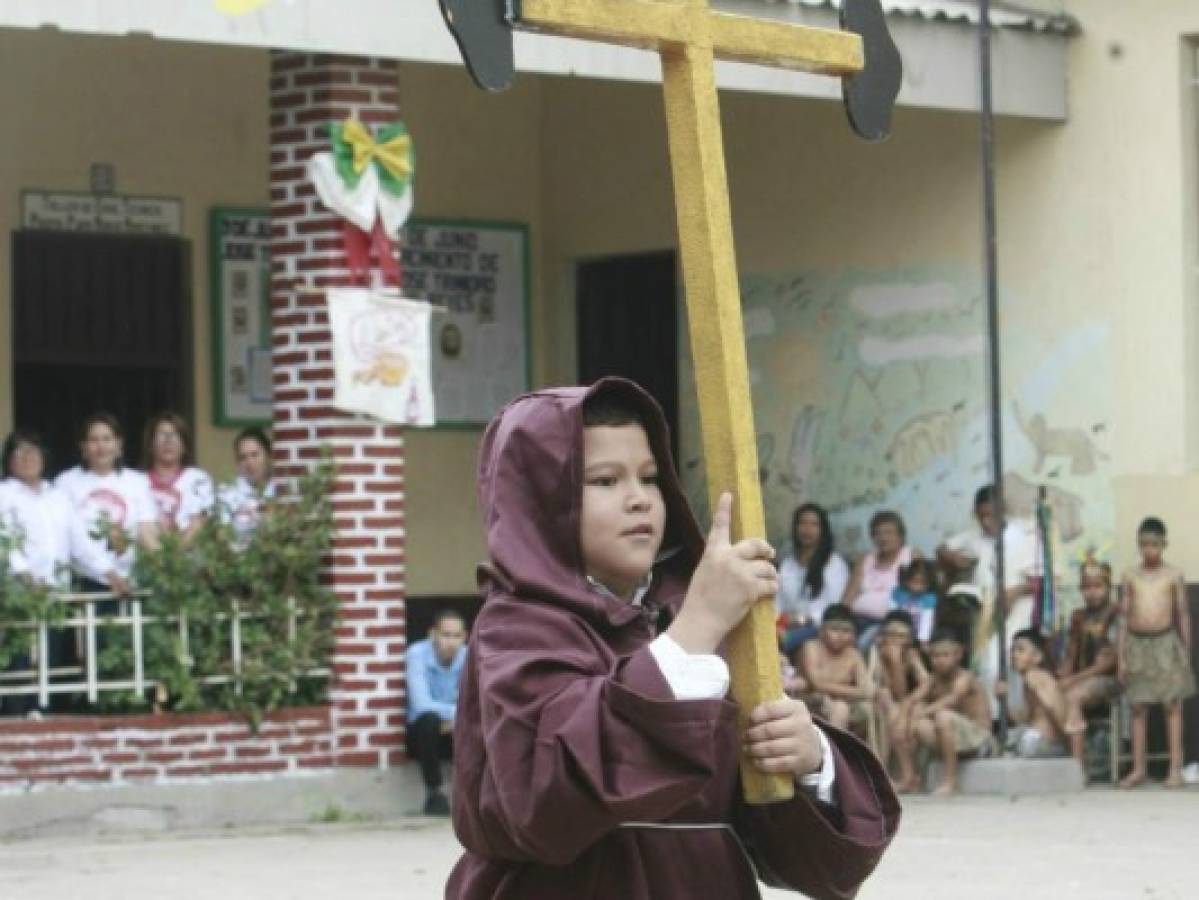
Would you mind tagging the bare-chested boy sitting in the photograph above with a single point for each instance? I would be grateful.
(836, 673)
(951, 712)
(1040, 725)
(901, 674)
(1087, 673)
(1155, 649)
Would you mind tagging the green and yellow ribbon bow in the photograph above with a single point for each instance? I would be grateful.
(354, 149)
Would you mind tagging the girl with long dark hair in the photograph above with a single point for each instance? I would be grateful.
(811, 577)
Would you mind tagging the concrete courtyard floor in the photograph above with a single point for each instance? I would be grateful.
(1096, 845)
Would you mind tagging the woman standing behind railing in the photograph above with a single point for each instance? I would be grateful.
(240, 502)
(48, 538)
(113, 502)
(183, 493)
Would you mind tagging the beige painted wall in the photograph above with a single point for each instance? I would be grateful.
(161, 114)
(1100, 220)
(478, 156)
(1095, 223)
(85, 99)
(1097, 217)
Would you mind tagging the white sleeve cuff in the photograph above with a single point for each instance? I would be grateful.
(700, 676)
(820, 783)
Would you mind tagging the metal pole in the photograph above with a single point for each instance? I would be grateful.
(986, 118)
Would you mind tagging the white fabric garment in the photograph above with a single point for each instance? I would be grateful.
(180, 500)
(122, 497)
(360, 204)
(53, 538)
(795, 598)
(1020, 556)
(705, 676)
(1021, 560)
(239, 504)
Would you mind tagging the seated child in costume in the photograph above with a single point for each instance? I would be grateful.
(951, 713)
(840, 688)
(915, 595)
(1087, 673)
(596, 756)
(1153, 659)
(1040, 723)
(901, 673)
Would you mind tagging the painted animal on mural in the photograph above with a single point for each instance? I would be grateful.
(1074, 444)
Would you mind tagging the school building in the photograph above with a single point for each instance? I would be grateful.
(165, 249)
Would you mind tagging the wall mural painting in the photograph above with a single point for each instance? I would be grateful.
(870, 393)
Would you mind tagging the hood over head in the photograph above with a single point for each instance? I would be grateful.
(531, 493)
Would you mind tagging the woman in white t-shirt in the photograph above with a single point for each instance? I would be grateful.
(48, 541)
(183, 493)
(113, 503)
(240, 503)
(51, 539)
(812, 576)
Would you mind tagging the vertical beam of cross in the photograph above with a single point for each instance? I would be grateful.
(709, 265)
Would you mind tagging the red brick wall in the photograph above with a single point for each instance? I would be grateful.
(124, 749)
(366, 567)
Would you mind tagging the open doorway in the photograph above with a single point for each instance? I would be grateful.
(100, 322)
(628, 325)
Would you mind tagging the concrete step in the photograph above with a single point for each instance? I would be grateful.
(1013, 777)
(337, 795)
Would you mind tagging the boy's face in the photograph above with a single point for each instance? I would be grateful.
(1095, 591)
(1025, 656)
(448, 636)
(895, 634)
(623, 516)
(917, 583)
(837, 635)
(985, 513)
(1152, 546)
(946, 657)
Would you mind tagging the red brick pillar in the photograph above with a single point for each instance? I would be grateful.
(366, 567)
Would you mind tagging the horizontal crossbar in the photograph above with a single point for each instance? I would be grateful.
(665, 24)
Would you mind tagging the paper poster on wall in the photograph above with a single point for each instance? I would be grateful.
(381, 355)
(239, 248)
(476, 275)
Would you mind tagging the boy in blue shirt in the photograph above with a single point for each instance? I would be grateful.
(434, 672)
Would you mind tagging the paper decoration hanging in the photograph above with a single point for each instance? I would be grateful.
(367, 180)
(381, 356)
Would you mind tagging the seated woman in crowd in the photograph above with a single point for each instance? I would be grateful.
(812, 577)
(183, 493)
(241, 501)
(47, 540)
(876, 575)
(113, 502)
(50, 538)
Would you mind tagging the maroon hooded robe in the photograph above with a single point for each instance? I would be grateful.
(567, 733)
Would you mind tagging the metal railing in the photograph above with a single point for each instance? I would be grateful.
(42, 680)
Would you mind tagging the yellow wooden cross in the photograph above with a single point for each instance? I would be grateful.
(690, 37)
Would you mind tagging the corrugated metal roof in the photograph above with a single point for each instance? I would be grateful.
(1003, 15)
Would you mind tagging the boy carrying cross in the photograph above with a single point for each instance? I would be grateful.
(596, 754)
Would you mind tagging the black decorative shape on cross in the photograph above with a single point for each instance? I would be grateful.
(870, 95)
(483, 32)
